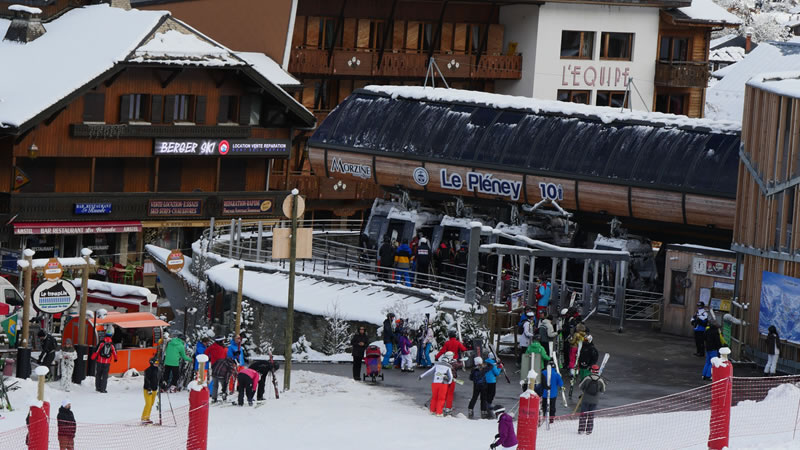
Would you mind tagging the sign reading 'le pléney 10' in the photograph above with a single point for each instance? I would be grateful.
(53, 297)
(222, 147)
(484, 183)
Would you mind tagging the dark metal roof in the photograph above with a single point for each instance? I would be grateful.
(476, 135)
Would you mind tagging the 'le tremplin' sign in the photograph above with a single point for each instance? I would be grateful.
(484, 183)
(222, 147)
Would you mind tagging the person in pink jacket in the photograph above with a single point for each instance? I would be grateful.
(248, 381)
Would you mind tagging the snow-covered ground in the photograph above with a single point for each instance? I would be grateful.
(328, 412)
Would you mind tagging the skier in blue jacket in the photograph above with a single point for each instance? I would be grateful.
(491, 378)
(235, 350)
(549, 393)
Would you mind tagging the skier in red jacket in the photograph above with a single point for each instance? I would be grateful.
(105, 351)
(452, 345)
(215, 352)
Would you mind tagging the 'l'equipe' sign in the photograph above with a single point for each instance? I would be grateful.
(222, 147)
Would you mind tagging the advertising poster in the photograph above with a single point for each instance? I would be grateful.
(780, 306)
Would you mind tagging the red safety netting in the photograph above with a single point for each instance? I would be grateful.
(765, 405)
(171, 434)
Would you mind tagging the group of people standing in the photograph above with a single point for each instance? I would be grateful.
(404, 262)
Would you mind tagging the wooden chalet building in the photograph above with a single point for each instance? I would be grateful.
(122, 127)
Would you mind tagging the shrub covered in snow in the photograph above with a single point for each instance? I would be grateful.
(337, 332)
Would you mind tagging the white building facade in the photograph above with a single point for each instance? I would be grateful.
(584, 53)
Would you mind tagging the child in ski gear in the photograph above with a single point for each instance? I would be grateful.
(405, 352)
(103, 354)
(150, 389)
(442, 378)
(713, 344)
(263, 367)
(478, 378)
(175, 352)
(235, 351)
(402, 262)
(248, 382)
(388, 338)
(549, 392)
(494, 369)
(773, 352)
(359, 343)
(591, 387)
(66, 426)
(427, 344)
(587, 358)
(399, 330)
(221, 372)
(506, 438)
(67, 364)
(700, 322)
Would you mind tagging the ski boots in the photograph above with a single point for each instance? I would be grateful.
(448, 411)
(471, 414)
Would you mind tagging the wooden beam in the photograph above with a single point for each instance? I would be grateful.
(53, 116)
(113, 78)
(174, 74)
(91, 175)
(386, 33)
(484, 39)
(222, 80)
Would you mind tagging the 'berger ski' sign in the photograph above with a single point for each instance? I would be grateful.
(356, 170)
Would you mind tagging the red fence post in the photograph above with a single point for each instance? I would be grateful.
(528, 420)
(197, 438)
(721, 393)
(39, 427)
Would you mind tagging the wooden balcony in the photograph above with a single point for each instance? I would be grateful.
(344, 62)
(686, 74)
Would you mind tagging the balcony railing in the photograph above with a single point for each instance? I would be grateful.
(314, 61)
(321, 188)
(686, 74)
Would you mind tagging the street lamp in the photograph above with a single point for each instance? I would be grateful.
(33, 151)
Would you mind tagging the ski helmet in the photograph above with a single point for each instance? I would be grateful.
(588, 338)
(451, 333)
(478, 360)
(498, 409)
(449, 355)
(595, 368)
(564, 311)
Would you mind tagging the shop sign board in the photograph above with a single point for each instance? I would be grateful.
(174, 208)
(53, 269)
(175, 261)
(222, 147)
(92, 208)
(483, 183)
(248, 206)
(53, 297)
(713, 268)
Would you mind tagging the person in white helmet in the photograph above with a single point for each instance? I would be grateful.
(478, 377)
(442, 378)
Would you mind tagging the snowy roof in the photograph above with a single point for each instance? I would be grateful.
(23, 8)
(78, 47)
(705, 11)
(271, 70)
(71, 48)
(701, 249)
(722, 41)
(726, 54)
(782, 83)
(725, 100)
(115, 289)
(605, 114)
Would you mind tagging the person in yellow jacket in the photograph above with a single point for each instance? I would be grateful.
(402, 263)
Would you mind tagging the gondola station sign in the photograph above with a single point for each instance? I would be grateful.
(53, 297)
(175, 261)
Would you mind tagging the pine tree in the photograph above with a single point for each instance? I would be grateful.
(337, 333)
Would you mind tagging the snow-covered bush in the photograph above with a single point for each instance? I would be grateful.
(301, 346)
(337, 331)
(766, 24)
(472, 326)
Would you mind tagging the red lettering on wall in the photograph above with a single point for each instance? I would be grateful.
(576, 71)
(589, 80)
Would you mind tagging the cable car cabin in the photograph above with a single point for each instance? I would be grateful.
(136, 337)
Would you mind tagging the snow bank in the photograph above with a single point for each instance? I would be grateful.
(604, 114)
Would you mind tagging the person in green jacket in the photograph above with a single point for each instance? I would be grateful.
(174, 353)
(536, 347)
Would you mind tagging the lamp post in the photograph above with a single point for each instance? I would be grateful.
(24, 351)
(82, 348)
(287, 373)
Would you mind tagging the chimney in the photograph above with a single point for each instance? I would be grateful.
(124, 4)
(26, 25)
(748, 43)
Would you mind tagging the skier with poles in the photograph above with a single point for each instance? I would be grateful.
(505, 438)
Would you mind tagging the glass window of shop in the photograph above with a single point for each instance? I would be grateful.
(103, 246)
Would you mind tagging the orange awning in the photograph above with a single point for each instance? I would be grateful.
(133, 320)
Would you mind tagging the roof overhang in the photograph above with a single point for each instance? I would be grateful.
(674, 16)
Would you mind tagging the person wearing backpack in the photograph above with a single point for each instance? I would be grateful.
(103, 354)
(546, 331)
(588, 357)
(591, 387)
(478, 378)
(526, 334)
(175, 352)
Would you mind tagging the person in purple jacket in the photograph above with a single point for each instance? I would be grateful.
(506, 438)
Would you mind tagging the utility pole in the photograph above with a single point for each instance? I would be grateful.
(238, 328)
(287, 374)
(82, 349)
(24, 351)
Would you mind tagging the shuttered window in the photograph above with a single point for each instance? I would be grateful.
(181, 108)
(134, 108)
(94, 107)
(228, 109)
(200, 111)
(157, 107)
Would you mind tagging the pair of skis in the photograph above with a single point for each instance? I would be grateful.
(274, 378)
